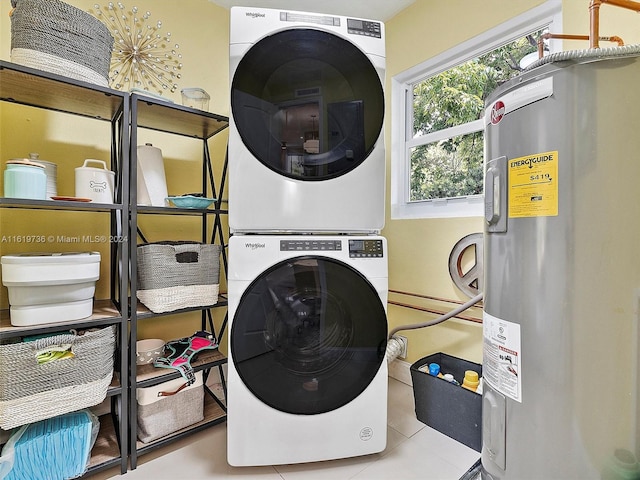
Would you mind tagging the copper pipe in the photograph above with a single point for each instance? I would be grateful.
(431, 310)
(613, 38)
(430, 297)
(434, 311)
(594, 13)
(562, 36)
(594, 21)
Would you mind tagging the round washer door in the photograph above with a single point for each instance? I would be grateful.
(309, 335)
(307, 104)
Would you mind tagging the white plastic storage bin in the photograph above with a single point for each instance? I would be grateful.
(50, 287)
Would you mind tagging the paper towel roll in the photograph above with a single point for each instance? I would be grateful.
(151, 182)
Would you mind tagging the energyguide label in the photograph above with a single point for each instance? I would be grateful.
(533, 185)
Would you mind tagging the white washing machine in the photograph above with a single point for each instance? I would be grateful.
(306, 146)
(307, 377)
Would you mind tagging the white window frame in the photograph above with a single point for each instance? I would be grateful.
(548, 14)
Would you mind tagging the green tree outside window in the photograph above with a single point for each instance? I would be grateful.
(453, 167)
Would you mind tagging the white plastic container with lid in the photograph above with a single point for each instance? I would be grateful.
(50, 287)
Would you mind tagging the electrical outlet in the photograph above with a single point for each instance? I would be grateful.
(403, 341)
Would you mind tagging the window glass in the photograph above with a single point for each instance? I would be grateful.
(447, 169)
(453, 166)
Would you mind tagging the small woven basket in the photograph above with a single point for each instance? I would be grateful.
(30, 392)
(56, 37)
(169, 407)
(175, 275)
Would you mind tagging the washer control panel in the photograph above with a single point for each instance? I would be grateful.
(309, 245)
(365, 249)
(363, 27)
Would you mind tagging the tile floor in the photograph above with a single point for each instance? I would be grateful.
(414, 451)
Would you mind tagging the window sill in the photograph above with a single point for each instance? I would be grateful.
(445, 208)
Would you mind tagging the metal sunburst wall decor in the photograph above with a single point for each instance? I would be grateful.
(143, 57)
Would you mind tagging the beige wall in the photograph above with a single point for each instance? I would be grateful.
(419, 249)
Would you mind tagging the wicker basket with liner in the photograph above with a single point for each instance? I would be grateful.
(169, 407)
(46, 376)
(56, 37)
(177, 274)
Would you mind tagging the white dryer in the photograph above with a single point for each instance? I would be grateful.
(307, 377)
(306, 146)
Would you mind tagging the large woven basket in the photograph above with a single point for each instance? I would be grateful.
(30, 392)
(175, 275)
(56, 37)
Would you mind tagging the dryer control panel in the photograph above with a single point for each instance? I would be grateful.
(364, 27)
(309, 245)
(365, 248)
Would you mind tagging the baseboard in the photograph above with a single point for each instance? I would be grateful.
(401, 371)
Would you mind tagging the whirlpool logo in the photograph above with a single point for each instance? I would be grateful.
(254, 246)
(255, 15)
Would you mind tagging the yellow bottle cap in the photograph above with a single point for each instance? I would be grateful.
(471, 380)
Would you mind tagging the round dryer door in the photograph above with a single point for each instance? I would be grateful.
(309, 335)
(307, 104)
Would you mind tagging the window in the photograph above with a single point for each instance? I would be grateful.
(437, 110)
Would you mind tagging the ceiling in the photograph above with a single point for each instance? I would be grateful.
(367, 9)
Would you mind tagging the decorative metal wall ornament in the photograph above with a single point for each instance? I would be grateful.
(142, 57)
(471, 281)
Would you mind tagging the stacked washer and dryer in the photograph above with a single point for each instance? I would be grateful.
(308, 277)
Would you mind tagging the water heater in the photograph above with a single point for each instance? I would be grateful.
(562, 270)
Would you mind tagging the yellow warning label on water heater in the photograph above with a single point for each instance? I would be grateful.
(533, 185)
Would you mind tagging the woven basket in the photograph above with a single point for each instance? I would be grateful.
(30, 392)
(169, 407)
(56, 37)
(174, 275)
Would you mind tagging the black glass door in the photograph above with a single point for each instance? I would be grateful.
(309, 335)
(307, 104)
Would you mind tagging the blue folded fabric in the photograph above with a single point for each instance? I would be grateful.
(54, 449)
